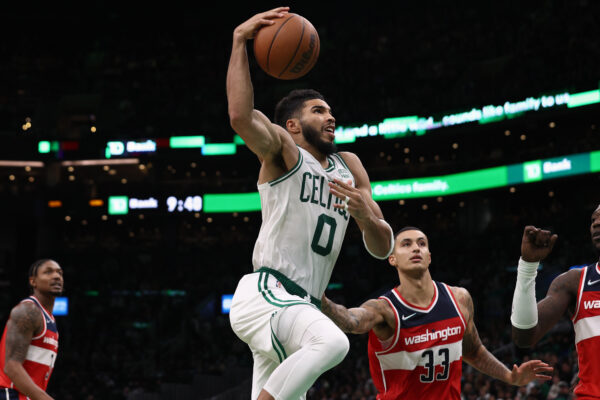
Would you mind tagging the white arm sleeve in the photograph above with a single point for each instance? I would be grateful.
(391, 242)
(524, 306)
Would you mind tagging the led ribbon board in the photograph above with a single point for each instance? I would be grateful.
(401, 126)
(231, 202)
(440, 185)
(482, 179)
(389, 128)
(121, 205)
(118, 148)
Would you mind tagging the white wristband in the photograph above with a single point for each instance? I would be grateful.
(524, 307)
(528, 267)
(391, 242)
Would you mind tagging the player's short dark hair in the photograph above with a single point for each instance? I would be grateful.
(408, 228)
(33, 269)
(291, 104)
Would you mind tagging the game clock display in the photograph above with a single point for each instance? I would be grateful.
(188, 203)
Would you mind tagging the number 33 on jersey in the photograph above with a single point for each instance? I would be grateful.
(423, 359)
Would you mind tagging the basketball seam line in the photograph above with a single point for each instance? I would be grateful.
(275, 37)
(316, 51)
(296, 51)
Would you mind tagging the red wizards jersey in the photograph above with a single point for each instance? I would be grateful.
(423, 359)
(586, 322)
(41, 353)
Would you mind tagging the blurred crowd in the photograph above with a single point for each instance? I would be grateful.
(143, 72)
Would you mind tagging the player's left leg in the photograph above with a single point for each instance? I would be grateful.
(310, 344)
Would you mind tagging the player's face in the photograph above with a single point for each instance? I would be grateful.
(411, 252)
(318, 126)
(595, 229)
(49, 279)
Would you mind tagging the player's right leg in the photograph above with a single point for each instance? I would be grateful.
(255, 300)
(286, 329)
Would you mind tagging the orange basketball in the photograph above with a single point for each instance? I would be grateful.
(289, 48)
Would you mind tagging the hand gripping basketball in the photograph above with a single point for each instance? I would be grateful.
(288, 48)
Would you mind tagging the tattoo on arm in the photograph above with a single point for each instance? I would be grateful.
(24, 322)
(475, 353)
(354, 320)
(471, 340)
(480, 358)
(342, 316)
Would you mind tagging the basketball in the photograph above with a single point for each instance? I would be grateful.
(288, 49)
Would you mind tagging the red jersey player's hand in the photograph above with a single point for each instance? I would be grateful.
(536, 243)
(528, 371)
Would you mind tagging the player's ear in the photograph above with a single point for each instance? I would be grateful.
(392, 260)
(292, 125)
(32, 281)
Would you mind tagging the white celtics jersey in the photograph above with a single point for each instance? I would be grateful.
(302, 233)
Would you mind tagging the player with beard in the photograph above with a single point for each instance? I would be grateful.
(421, 331)
(30, 341)
(308, 192)
(575, 293)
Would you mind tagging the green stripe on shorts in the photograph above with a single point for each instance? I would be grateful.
(275, 348)
(278, 346)
(268, 295)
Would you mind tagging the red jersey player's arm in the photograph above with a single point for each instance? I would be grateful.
(25, 321)
(475, 353)
(372, 314)
(560, 298)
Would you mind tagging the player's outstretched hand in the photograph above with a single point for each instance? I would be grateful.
(528, 371)
(248, 29)
(536, 244)
(352, 199)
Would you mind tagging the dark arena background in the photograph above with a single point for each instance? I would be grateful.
(118, 161)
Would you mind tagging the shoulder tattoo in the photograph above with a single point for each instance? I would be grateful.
(25, 321)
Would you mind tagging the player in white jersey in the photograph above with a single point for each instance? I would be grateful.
(308, 193)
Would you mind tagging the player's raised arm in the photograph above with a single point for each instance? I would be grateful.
(530, 321)
(475, 353)
(259, 134)
(377, 233)
(355, 320)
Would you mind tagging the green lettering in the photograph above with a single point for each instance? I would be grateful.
(304, 176)
(314, 190)
(321, 193)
